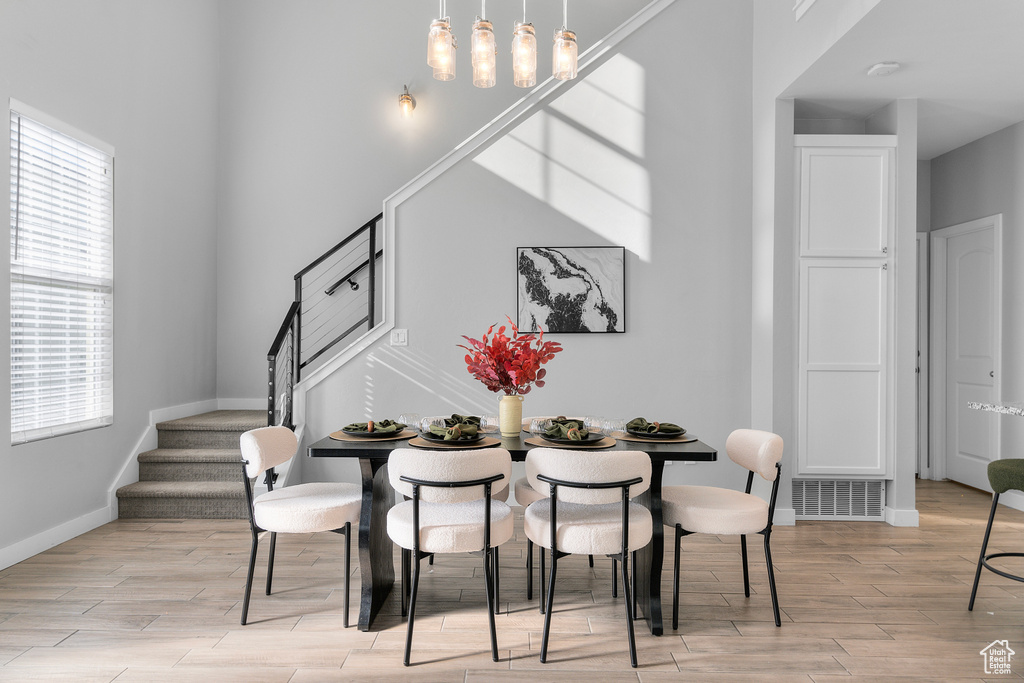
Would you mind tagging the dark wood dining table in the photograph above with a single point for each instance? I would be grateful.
(376, 551)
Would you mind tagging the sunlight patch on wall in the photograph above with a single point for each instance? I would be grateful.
(572, 159)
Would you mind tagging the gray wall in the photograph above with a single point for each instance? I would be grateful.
(676, 176)
(978, 180)
(141, 76)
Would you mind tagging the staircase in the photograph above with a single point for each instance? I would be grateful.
(195, 471)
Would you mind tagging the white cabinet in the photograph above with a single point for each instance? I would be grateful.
(845, 323)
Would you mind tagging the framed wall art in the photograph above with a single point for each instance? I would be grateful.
(571, 289)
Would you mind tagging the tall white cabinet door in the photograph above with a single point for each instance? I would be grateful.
(846, 205)
(843, 367)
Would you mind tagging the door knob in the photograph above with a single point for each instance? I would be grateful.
(991, 373)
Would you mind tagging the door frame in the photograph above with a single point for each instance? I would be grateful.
(924, 460)
(937, 336)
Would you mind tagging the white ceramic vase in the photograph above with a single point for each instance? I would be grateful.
(510, 415)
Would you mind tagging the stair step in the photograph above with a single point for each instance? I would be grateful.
(215, 429)
(182, 500)
(190, 464)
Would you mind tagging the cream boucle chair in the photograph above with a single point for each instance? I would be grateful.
(299, 509)
(720, 512)
(452, 510)
(587, 511)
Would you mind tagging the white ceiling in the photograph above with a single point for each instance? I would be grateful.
(962, 59)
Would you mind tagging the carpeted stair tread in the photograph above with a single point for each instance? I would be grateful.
(191, 455)
(182, 489)
(218, 421)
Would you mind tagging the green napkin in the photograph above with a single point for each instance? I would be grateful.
(457, 419)
(381, 427)
(456, 431)
(639, 424)
(562, 428)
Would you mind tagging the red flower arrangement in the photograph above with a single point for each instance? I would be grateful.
(509, 364)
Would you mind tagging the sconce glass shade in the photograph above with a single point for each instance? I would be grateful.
(406, 103)
(484, 53)
(439, 42)
(524, 56)
(563, 57)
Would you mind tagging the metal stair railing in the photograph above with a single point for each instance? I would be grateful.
(335, 297)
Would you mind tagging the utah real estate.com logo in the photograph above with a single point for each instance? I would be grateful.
(997, 656)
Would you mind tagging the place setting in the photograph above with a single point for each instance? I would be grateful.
(461, 432)
(568, 432)
(640, 430)
(378, 430)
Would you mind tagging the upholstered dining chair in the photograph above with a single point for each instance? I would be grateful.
(725, 512)
(587, 510)
(451, 510)
(300, 509)
(1003, 475)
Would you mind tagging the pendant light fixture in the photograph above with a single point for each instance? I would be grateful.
(524, 54)
(441, 47)
(483, 50)
(563, 57)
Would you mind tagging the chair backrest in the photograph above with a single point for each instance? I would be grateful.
(588, 467)
(755, 450)
(267, 447)
(449, 466)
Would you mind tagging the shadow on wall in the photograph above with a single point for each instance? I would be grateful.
(581, 154)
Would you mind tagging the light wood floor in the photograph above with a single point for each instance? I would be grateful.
(141, 600)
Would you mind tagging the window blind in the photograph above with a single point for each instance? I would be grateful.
(61, 282)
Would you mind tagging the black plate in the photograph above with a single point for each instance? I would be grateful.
(656, 435)
(591, 438)
(430, 436)
(371, 435)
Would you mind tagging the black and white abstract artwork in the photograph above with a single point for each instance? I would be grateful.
(572, 289)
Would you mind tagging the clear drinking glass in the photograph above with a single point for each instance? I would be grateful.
(595, 424)
(411, 420)
(489, 423)
(433, 421)
(615, 427)
(539, 425)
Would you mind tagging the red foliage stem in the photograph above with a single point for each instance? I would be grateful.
(509, 364)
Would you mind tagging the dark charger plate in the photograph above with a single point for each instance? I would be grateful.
(430, 436)
(656, 435)
(591, 438)
(370, 435)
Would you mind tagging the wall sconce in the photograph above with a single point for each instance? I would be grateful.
(406, 103)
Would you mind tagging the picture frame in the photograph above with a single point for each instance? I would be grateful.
(571, 289)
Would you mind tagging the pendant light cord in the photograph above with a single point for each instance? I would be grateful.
(524, 11)
(565, 13)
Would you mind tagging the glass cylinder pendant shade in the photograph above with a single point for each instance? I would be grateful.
(524, 56)
(563, 58)
(441, 50)
(484, 53)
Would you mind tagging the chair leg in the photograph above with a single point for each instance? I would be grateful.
(248, 580)
(675, 581)
(492, 599)
(412, 609)
(497, 581)
(628, 600)
(771, 578)
(529, 569)
(981, 557)
(542, 592)
(633, 584)
(746, 574)
(348, 567)
(549, 604)
(270, 564)
(431, 559)
(405, 582)
(591, 559)
(615, 579)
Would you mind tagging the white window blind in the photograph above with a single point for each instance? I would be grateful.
(61, 282)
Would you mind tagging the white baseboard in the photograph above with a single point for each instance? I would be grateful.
(784, 517)
(184, 410)
(894, 517)
(22, 550)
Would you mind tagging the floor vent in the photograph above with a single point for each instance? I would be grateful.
(838, 499)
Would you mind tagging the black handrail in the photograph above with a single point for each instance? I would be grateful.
(348, 276)
(282, 333)
(326, 255)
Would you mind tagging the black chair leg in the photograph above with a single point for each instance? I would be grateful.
(675, 582)
(270, 564)
(981, 557)
(542, 593)
(497, 582)
(615, 579)
(248, 580)
(771, 579)
(628, 600)
(405, 582)
(348, 567)
(634, 583)
(591, 558)
(431, 560)
(746, 574)
(529, 569)
(550, 602)
(412, 609)
(492, 599)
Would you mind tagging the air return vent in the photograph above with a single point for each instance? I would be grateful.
(838, 499)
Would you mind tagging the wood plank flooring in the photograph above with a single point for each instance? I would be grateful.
(159, 600)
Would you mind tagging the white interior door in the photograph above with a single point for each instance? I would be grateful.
(968, 287)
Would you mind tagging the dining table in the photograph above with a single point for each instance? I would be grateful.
(376, 550)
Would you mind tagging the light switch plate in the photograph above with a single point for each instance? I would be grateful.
(399, 337)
